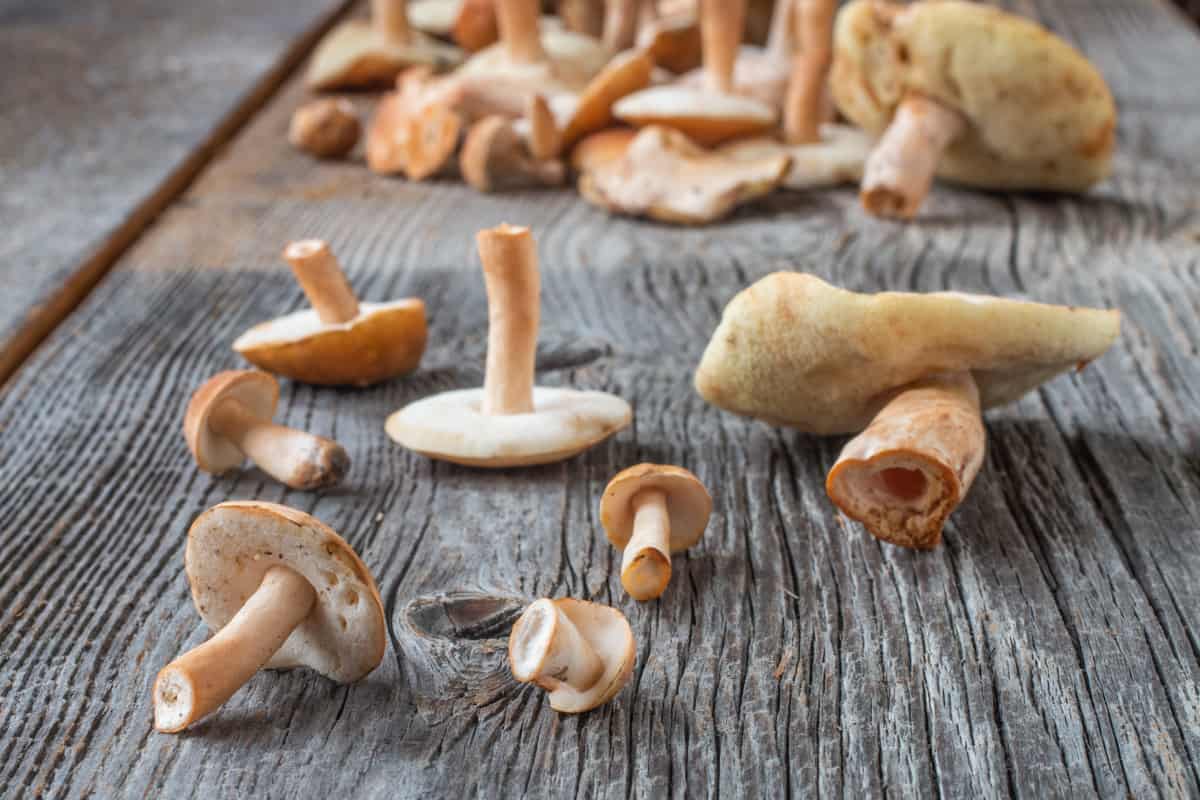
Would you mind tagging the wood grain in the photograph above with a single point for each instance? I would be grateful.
(1050, 648)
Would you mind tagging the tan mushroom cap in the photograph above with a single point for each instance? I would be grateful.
(452, 427)
(689, 504)
(705, 116)
(232, 545)
(603, 627)
(601, 149)
(627, 73)
(257, 391)
(384, 341)
(573, 60)
(357, 53)
(1039, 114)
(793, 350)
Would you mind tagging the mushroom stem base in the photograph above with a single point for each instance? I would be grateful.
(646, 563)
(296, 458)
(899, 172)
(201, 680)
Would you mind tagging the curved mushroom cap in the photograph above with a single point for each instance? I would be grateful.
(257, 391)
(574, 59)
(1039, 114)
(233, 544)
(705, 116)
(604, 628)
(384, 341)
(357, 53)
(627, 73)
(793, 350)
(689, 504)
(564, 423)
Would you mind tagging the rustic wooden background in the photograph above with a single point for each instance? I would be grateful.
(1051, 647)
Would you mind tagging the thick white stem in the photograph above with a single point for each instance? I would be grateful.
(519, 30)
(646, 562)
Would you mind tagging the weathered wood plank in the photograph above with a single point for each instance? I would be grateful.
(111, 108)
(1050, 648)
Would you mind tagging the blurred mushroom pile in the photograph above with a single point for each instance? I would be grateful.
(658, 108)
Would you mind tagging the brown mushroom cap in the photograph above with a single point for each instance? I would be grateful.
(705, 116)
(257, 391)
(601, 149)
(233, 544)
(627, 73)
(689, 504)
(384, 341)
(793, 350)
(1039, 114)
(356, 53)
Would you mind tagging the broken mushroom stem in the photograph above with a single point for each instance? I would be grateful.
(390, 17)
(519, 30)
(201, 680)
(510, 270)
(646, 562)
(900, 169)
(547, 649)
(721, 26)
(803, 108)
(297, 458)
(321, 277)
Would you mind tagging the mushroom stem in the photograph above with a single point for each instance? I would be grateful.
(722, 23)
(390, 17)
(547, 649)
(545, 138)
(912, 466)
(899, 171)
(804, 106)
(322, 279)
(296, 458)
(201, 680)
(646, 563)
(519, 30)
(510, 270)
(620, 24)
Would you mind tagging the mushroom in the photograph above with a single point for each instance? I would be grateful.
(358, 53)
(971, 93)
(339, 341)
(910, 371)
(471, 24)
(495, 158)
(652, 511)
(509, 422)
(807, 92)
(672, 40)
(713, 113)
(664, 176)
(581, 653)
(229, 419)
(280, 590)
(835, 159)
(325, 128)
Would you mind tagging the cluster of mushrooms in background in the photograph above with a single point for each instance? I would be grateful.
(661, 110)
(908, 374)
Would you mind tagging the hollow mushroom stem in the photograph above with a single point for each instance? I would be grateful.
(899, 171)
(646, 563)
(201, 680)
(804, 106)
(721, 25)
(390, 17)
(519, 30)
(547, 649)
(296, 458)
(510, 270)
(319, 275)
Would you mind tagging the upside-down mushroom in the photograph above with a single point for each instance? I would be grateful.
(972, 94)
(909, 373)
(509, 422)
(279, 590)
(339, 341)
(359, 53)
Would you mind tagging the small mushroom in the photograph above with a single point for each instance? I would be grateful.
(358, 53)
(229, 420)
(910, 371)
(664, 176)
(280, 590)
(581, 653)
(509, 422)
(836, 158)
(971, 93)
(593, 109)
(652, 511)
(325, 128)
(339, 341)
(495, 158)
(470, 24)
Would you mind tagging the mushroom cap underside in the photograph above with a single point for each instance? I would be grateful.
(573, 60)
(795, 351)
(356, 53)
(232, 545)
(689, 504)
(257, 391)
(1039, 114)
(706, 117)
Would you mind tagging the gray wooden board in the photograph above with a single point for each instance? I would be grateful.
(105, 104)
(1050, 647)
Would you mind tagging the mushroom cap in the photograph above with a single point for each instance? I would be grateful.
(257, 391)
(564, 422)
(795, 351)
(706, 117)
(627, 73)
(232, 545)
(689, 504)
(604, 628)
(356, 53)
(602, 148)
(574, 59)
(1039, 114)
(384, 341)
(837, 159)
(757, 73)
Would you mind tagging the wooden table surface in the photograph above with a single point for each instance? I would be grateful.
(1050, 647)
